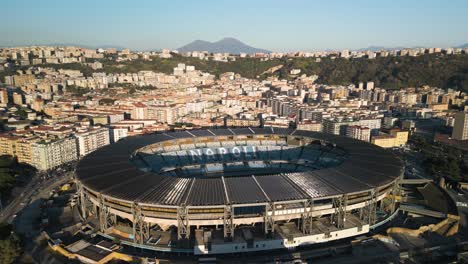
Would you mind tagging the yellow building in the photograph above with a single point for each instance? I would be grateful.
(401, 137)
(16, 146)
(384, 141)
(24, 150)
(7, 145)
(24, 79)
(397, 138)
(439, 107)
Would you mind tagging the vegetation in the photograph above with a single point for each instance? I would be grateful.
(106, 101)
(9, 168)
(441, 160)
(86, 70)
(78, 91)
(247, 67)
(7, 178)
(445, 71)
(22, 113)
(10, 246)
(390, 72)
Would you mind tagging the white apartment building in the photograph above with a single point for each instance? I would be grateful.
(50, 154)
(90, 140)
(460, 127)
(118, 133)
(358, 132)
(338, 127)
(310, 126)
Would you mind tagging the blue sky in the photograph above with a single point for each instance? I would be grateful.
(270, 24)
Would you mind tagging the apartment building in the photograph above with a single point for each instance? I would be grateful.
(395, 139)
(91, 139)
(4, 97)
(117, 133)
(310, 126)
(49, 154)
(338, 126)
(358, 132)
(24, 150)
(8, 144)
(460, 127)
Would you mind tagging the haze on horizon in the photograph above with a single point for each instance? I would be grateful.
(272, 25)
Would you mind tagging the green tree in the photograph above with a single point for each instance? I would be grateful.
(10, 249)
(22, 113)
(10, 244)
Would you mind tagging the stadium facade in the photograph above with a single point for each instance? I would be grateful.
(237, 190)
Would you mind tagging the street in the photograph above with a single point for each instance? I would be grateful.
(31, 192)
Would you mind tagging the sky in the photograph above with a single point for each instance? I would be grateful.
(292, 25)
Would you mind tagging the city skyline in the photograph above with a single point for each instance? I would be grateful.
(308, 26)
(218, 131)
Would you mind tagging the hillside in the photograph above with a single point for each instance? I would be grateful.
(390, 73)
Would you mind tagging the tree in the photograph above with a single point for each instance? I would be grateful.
(7, 178)
(22, 113)
(9, 167)
(10, 249)
(10, 244)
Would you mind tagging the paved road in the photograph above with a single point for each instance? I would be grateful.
(31, 192)
(462, 205)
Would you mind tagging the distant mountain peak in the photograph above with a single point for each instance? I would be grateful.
(229, 44)
(230, 39)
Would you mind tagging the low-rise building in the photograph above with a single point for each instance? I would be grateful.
(241, 122)
(310, 126)
(395, 139)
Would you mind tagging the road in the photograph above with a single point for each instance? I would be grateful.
(31, 192)
(462, 206)
(413, 165)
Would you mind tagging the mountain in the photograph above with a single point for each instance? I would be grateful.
(463, 46)
(230, 45)
(377, 48)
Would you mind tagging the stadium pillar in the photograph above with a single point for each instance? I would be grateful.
(368, 213)
(183, 228)
(307, 219)
(372, 215)
(140, 227)
(269, 218)
(82, 199)
(102, 214)
(396, 191)
(106, 219)
(339, 217)
(228, 222)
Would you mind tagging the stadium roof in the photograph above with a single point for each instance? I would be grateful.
(111, 172)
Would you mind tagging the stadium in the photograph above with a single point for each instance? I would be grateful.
(232, 190)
